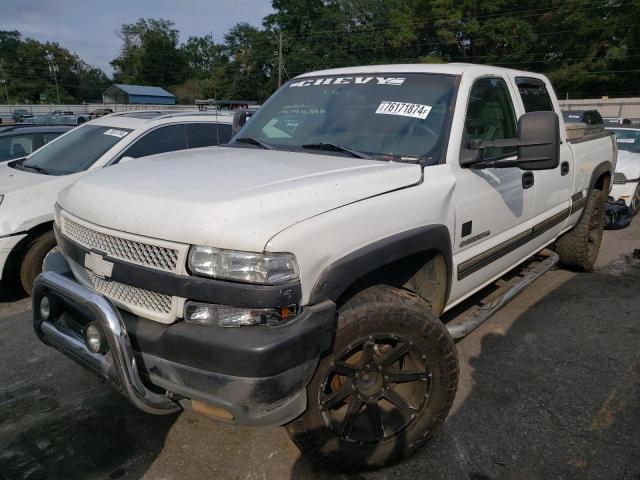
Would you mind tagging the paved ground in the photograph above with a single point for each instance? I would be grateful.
(550, 388)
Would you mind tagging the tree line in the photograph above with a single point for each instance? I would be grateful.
(588, 48)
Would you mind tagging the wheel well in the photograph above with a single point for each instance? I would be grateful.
(603, 182)
(424, 273)
(14, 260)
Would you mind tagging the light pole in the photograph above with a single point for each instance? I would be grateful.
(53, 69)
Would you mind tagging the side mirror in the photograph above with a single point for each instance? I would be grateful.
(538, 145)
(240, 117)
(540, 134)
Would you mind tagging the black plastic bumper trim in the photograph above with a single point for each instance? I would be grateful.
(254, 351)
(188, 286)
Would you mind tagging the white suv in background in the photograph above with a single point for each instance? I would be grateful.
(29, 187)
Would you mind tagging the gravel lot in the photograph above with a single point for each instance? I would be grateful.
(550, 388)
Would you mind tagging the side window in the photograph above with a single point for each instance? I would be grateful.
(224, 132)
(534, 94)
(160, 140)
(490, 115)
(206, 134)
(15, 146)
(47, 137)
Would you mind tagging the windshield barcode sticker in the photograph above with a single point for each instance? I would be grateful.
(116, 133)
(413, 110)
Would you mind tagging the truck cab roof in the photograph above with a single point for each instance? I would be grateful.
(441, 68)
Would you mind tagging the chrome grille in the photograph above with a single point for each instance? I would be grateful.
(149, 255)
(156, 303)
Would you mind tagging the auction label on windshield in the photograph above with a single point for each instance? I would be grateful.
(116, 133)
(414, 110)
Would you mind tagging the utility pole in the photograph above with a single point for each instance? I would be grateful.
(53, 69)
(3, 81)
(280, 60)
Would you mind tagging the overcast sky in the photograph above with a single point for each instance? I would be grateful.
(89, 27)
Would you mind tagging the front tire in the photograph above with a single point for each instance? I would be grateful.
(31, 265)
(385, 387)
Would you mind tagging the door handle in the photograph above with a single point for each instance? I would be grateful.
(564, 168)
(527, 180)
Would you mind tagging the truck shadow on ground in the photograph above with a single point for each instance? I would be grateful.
(555, 395)
(103, 438)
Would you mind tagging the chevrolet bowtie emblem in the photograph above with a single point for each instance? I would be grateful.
(98, 265)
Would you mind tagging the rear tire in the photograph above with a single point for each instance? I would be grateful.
(385, 387)
(579, 248)
(31, 265)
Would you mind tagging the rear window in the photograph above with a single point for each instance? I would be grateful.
(534, 94)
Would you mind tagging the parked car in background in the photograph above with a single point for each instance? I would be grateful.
(617, 121)
(19, 114)
(56, 119)
(20, 140)
(99, 112)
(6, 118)
(590, 117)
(626, 179)
(29, 187)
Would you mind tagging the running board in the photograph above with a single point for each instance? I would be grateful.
(461, 328)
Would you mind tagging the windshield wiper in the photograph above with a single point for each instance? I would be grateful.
(36, 168)
(254, 141)
(337, 148)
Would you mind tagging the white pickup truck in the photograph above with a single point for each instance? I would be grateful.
(296, 276)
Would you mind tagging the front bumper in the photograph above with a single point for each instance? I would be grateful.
(248, 375)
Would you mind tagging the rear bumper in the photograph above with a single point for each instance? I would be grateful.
(254, 375)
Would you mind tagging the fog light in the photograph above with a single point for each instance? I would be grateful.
(94, 339)
(45, 308)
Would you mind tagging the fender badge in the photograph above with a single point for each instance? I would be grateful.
(98, 265)
(474, 239)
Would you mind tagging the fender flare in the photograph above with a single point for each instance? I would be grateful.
(337, 277)
(604, 167)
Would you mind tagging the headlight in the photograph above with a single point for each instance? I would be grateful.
(262, 268)
(56, 214)
(227, 316)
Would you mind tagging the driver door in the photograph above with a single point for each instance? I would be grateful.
(493, 206)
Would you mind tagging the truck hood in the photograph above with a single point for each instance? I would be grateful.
(628, 164)
(236, 198)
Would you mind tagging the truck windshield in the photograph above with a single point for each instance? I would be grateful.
(628, 140)
(385, 116)
(75, 151)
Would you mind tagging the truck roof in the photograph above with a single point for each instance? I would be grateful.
(443, 68)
